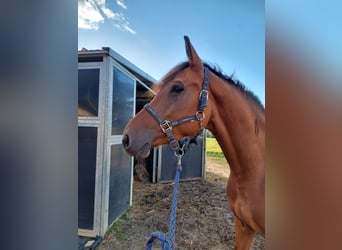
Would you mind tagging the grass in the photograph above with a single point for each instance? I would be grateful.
(115, 228)
(214, 151)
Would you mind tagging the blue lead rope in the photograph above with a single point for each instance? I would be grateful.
(167, 243)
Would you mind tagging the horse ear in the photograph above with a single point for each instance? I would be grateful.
(194, 59)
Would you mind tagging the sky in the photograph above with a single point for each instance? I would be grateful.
(315, 32)
(226, 33)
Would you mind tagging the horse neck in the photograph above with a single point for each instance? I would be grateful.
(238, 125)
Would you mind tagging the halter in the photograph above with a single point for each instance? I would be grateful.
(166, 126)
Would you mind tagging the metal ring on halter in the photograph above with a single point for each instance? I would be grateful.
(200, 115)
(179, 152)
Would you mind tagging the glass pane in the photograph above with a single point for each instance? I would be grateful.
(87, 141)
(88, 92)
(120, 182)
(123, 101)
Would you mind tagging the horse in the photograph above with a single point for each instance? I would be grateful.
(233, 114)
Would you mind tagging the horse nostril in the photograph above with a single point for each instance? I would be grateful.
(125, 141)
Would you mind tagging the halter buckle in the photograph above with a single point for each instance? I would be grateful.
(174, 145)
(165, 126)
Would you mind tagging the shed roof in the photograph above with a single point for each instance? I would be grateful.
(144, 94)
(96, 55)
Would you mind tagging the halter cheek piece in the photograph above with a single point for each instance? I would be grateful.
(166, 126)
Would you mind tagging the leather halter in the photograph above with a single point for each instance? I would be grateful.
(166, 125)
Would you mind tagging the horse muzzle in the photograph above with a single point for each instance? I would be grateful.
(136, 146)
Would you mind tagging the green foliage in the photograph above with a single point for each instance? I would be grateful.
(121, 236)
(115, 228)
(126, 216)
(214, 151)
(209, 134)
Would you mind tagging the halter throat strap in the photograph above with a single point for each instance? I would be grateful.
(167, 126)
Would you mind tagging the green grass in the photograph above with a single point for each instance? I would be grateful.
(214, 151)
(115, 228)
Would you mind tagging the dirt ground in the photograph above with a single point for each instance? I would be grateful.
(204, 220)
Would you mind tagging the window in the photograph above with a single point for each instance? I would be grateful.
(123, 101)
(88, 92)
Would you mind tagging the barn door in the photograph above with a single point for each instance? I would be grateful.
(121, 165)
(90, 137)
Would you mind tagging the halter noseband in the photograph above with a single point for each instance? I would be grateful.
(166, 126)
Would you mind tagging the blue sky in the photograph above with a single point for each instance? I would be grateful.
(315, 32)
(228, 33)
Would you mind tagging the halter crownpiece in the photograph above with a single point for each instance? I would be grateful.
(166, 126)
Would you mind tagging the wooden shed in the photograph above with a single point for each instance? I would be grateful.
(111, 90)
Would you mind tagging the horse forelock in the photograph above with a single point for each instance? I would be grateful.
(173, 72)
(170, 76)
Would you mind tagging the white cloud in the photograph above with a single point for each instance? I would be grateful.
(125, 27)
(120, 17)
(108, 12)
(129, 29)
(93, 12)
(89, 15)
(121, 3)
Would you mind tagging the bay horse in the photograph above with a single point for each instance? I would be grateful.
(233, 114)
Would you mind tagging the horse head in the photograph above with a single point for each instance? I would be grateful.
(177, 97)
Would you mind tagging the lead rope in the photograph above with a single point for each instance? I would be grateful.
(167, 243)
(178, 147)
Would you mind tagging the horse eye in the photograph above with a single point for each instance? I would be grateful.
(177, 89)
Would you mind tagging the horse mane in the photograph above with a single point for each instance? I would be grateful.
(236, 83)
(217, 71)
